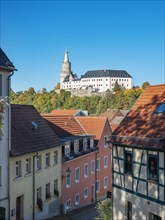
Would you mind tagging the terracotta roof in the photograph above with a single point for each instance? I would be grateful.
(112, 113)
(64, 112)
(143, 127)
(93, 125)
(64, 125)
(5, 63)
(29, 131)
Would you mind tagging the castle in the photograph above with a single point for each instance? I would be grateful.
(95, 80)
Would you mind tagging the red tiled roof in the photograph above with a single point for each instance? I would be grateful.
(142, 126)
(93, 125)
(26, 139)
(64, 125)
(64, 112)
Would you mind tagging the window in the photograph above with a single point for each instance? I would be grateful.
(28, 165)
(105, 141)
(76, 146)
(85, 143)
(38, 162)
(67, 149)
(47, 191)
(18, 168)
(0, 176)
(160, 109)
(86, 170)
(39, 193)
(77, 199)
(68, 204)
(105, 182)
(56, 184)
(56, 192)
(128, 162)
(152, 167)
(68, 180)
(105, 161)
(154, 217)
(91, 142)
(92, 166)
(77, 175)
(129, 210)
(98, 164)
(98, 186)
(86, 193)
(0, 85)
(47, 159)
(55, 157)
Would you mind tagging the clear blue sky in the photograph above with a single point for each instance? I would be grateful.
(116, 35)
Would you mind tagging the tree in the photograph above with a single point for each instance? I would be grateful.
(57, 86)
(117, 87)
(145, 85)
(3, 106)
(104, 210)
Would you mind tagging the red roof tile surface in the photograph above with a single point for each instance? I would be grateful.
(64, 125)
(143, 127)
(64, 112)
(93, 125)
(25, 138)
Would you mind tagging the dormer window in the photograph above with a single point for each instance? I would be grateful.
(67, 149)
(76, 146)
(91, 142)
(160, 109)
(85, 144)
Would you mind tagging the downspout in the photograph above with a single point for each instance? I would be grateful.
(9, 141)
(96, 175)
(33, 189)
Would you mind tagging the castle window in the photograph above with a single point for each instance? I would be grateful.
(128, 162)
(154, 217)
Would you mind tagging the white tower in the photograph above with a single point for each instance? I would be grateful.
(66, 69)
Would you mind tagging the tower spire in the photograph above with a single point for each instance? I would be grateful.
(66, 57)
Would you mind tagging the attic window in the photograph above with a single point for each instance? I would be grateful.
(160, 109)
(34, 125)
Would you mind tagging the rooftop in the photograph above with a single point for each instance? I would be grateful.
(5, 63)
(106, 73)
(143, 126)
(29, 131)
(93, 125)
(64, 125)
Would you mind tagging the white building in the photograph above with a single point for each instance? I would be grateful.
(138, 159)
(97, 80)
(6, 71)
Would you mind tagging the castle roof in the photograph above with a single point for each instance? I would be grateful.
(106, 73)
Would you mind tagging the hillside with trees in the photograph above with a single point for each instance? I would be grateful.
(45, 101)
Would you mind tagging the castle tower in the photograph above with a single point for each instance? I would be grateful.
(66, 69)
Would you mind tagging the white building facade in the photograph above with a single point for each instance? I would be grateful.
(96, 80)
(6, 70)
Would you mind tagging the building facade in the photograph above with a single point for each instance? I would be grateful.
(6, 71)
(95, 80)
(35, 166)
(138, 159)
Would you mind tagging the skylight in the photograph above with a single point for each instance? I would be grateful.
(160, 109)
